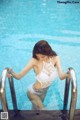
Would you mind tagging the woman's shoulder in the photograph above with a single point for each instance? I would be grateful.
(34, 61)
(55, 57)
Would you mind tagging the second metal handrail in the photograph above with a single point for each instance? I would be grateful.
(73, 82)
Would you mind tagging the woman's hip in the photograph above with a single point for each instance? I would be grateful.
(32, 90)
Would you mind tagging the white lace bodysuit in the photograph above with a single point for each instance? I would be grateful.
(47, 75)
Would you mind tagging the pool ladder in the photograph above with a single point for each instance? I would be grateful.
(3, 91)
(73, 82)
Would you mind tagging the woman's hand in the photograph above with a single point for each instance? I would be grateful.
(9, 75)
(68, 75)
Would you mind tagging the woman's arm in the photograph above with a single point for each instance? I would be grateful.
(27, 68)
(59, 68)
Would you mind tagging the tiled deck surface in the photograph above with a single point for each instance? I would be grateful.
(42, 115)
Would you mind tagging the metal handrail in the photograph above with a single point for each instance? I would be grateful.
(3, 91)
(73, 82)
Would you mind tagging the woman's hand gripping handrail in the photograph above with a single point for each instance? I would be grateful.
(73, 81)
(3, 93)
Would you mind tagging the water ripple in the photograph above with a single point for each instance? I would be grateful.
(26, 38)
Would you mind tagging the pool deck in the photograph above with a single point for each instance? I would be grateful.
(41, 115)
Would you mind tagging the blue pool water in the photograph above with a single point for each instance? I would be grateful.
(22, 24)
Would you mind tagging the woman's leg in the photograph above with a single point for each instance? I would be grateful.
(37, 97)
(36, 101)
(42, 97)
(33, 107)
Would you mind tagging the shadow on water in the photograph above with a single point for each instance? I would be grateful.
(4, 1)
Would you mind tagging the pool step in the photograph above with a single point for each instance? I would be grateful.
(41, 115)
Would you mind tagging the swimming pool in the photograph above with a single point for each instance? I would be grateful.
(22, 24)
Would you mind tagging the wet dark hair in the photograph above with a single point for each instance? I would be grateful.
(42, 47)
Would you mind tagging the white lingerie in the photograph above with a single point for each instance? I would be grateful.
(47, 75)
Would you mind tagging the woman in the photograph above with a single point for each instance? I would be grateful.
(46, 64)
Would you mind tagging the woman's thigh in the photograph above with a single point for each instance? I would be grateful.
(36, 99)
